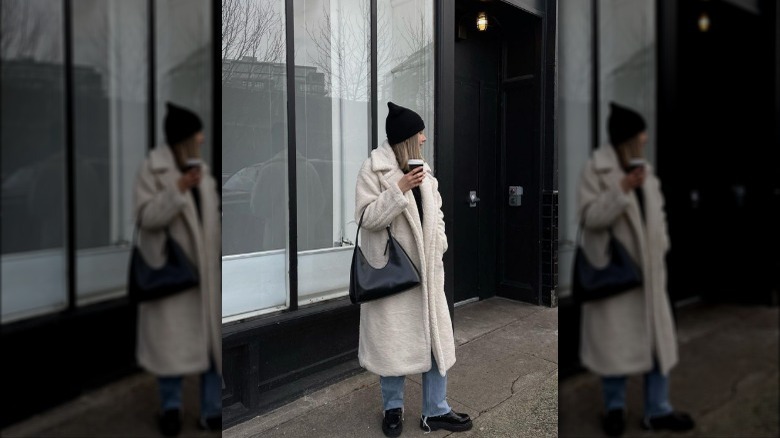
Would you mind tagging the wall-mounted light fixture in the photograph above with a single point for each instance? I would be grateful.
(704, 22)
(482, 22)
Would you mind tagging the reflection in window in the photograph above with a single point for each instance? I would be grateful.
(405, 58)
(627, 62)
(32, 133)
(254, 156)
(184, 62)
(110, 121)
(332, 130)
(332, 137)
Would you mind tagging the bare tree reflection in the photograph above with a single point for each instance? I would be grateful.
(22, 24)
(342, 50)
(251, 29)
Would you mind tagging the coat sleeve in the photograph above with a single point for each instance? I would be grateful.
(599, 207)
(664, 232)
(440, 215)
(381, 207)
(156, 207)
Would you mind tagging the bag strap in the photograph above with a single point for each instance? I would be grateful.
(360, 224)
(581, 227)
(137, 228)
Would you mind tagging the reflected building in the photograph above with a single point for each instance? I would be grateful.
(254, 157)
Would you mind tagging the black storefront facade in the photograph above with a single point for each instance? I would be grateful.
(489, 102)
(84, 87)
(708, 87)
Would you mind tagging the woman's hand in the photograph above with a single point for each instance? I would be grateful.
(633, 179)
(411, 180)
(190, 179)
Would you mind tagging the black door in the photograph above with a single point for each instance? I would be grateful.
(518, 233)
(497, 155)
(475, 145)
(717, 159)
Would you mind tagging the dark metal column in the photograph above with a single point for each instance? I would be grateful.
(372, 142)
(548, 256)
(291, 156)
(216, 93)
(596, 72)
(152, 107)
(444, 115)
(70, 177)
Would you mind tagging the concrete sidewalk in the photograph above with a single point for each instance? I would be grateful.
(505, 377)
(727, 378)
(125, 408)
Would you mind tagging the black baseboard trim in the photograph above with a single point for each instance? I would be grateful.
(54, 359)
(269, 362)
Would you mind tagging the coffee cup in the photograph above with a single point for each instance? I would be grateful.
(193, 163)
(635, 163)
(415, 163)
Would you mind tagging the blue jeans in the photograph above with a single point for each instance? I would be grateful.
(210, 393)
(656, 393)
(434, 392)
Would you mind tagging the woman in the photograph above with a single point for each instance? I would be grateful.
(181, 334)
(632, 332)
(409, 332)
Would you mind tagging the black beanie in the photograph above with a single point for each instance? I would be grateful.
(180, 124)
(623, 124)
(401, 123)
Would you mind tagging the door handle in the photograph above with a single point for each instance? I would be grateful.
(473, 199)
(515, 196)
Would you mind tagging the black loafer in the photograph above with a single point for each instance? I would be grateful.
(614, 423)
(675, 421)
(393, 423)
(170, 422)
(212, 424)
(451, 421)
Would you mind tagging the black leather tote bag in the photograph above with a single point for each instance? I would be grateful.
(619, 275)
(367, 283)
(176, 275)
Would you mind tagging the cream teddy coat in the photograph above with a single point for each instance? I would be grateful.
(399, 333)
(179, 334)
(620, 335)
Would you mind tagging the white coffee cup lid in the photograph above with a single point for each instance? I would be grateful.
(637, 162)
(194, 161)
(416, 161)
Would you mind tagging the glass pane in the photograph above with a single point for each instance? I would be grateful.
(32, 133)
(574, 124)
(184, 62)
(405, 59)
(332, 77)
(627, 62)
(111, 94)
(254, 157)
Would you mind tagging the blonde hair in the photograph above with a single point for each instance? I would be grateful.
(407, 150)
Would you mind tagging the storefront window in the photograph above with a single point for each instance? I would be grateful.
(333, 136)
(32, 133)
(109, 122)
(254, 157)
(575, 123)
(111, 80)
(405, 59)
(333, 56)
(627, 62)
(184, 62)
